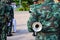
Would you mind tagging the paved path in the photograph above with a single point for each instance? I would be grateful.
(22, 32)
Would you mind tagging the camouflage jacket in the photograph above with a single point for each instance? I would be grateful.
(10, 11)
(2, 13)
(49, 16)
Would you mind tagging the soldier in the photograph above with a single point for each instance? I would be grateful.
(33, 16)
(11, 15)
(29, 23)
(3, 20)
(49, 14)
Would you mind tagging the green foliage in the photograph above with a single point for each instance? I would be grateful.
(30, 2)
(25, 4)
(16, 1)
(22, 9)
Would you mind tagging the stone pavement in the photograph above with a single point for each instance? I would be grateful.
(22, 31)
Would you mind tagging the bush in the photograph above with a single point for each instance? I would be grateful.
(26, 9)
(22, 9)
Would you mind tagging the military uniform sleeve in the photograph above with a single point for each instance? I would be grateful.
(12, 12)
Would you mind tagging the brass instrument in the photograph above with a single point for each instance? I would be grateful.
(36, 26)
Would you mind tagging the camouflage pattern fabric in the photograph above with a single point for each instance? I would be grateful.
(3, 21)
(50, 21)
(48, 15)
(33, 17)
(11, 16)
(43, 36)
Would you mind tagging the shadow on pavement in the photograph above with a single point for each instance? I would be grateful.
(21, 32)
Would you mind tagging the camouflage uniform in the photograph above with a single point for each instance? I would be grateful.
(50, 21)
(3, 21)
(33, 16)
(49, 14)
(11, 16)
(10, 21)
(57, 9)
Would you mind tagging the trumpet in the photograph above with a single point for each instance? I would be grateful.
(37, 27)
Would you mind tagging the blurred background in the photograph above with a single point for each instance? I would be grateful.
(21, 5)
